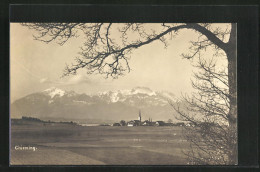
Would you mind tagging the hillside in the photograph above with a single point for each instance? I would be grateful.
(110, 105)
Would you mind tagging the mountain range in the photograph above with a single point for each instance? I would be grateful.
(55, 103)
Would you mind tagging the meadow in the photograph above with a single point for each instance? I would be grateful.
(67, 144)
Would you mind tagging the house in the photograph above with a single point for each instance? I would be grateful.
(152, 123)
(116, 124)
(168, 124)
(189, 125)
(159, 123)
(162, 123)
(137, 122)
(131, 124)
(146, 123)
(180, 124)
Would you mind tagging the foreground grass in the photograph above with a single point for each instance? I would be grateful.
(65, 144)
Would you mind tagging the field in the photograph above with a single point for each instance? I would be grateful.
(66, 144)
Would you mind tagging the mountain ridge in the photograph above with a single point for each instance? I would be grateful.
(107, 105)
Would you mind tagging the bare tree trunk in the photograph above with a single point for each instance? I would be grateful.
(231, 52)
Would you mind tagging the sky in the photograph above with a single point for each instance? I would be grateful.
(36, 66)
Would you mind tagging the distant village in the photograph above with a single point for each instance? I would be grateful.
(148, 122)
(131, 123)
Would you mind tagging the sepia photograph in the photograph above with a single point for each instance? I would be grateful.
(123, 94)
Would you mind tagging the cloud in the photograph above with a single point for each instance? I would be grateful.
(49, 81)
(78, 79)
(72, 80)
(43, 80)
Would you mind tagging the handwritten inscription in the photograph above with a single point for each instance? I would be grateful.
(29, 148)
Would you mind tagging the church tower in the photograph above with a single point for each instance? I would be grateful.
(140, 116)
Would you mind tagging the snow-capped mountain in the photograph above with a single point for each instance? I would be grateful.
(54, 92)
(110, 105)
(138, 93)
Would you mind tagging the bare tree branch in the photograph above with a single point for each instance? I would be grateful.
(212, 109)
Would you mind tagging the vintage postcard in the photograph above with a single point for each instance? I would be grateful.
(123, 94)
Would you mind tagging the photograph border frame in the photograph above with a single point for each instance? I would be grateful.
(247, 68)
